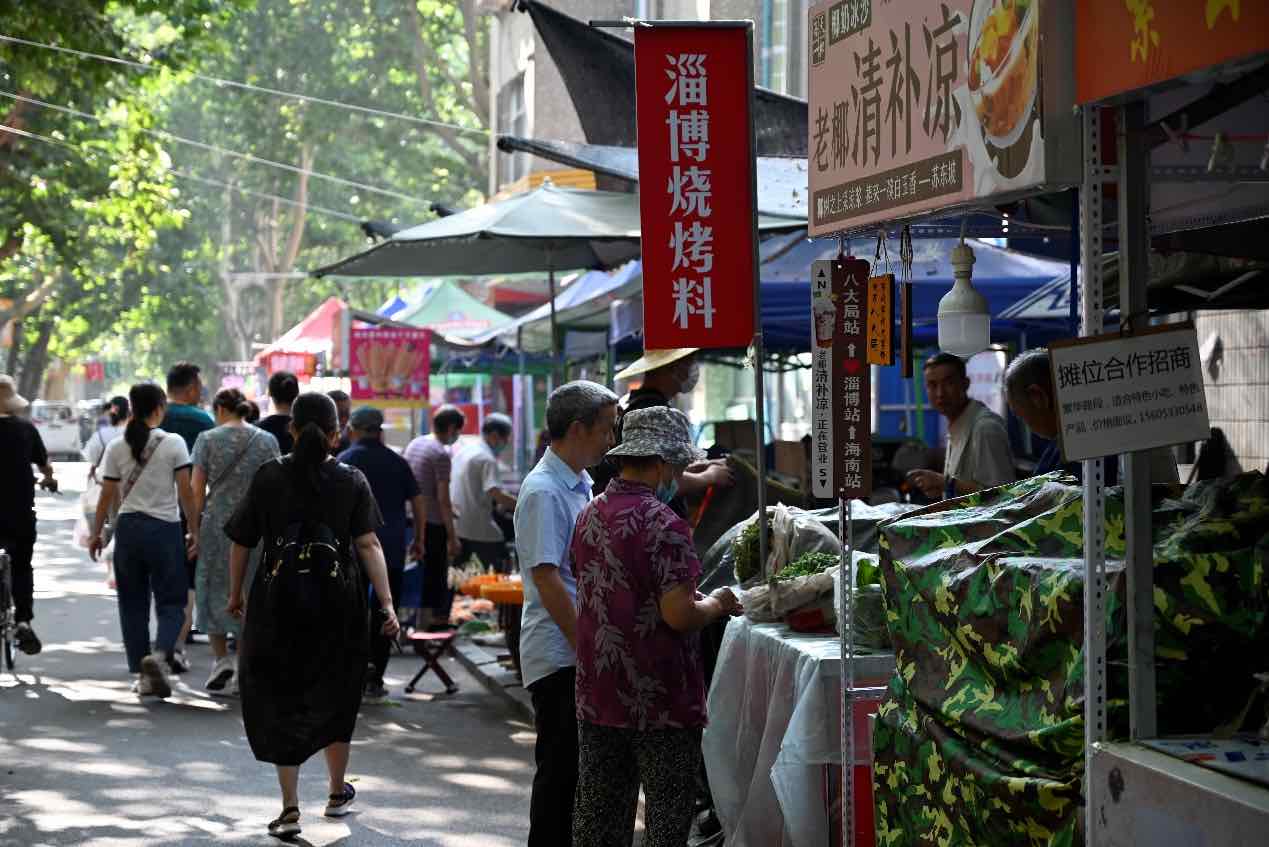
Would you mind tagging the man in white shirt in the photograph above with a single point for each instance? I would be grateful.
(978, 453)
(475, 488)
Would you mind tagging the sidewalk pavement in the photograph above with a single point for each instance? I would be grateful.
(83, 761)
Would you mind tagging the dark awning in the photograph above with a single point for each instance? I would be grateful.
(598, 71)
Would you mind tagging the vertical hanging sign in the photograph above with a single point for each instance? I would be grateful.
(852, 389)
(693, 86)
(881, 320)
(823, 329)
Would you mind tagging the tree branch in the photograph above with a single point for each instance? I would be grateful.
(418, 48)
(476, 59)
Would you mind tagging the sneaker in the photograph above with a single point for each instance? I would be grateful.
(221, 673)
(177, 663)
(28, 641)
(374, 693)
(154, 681)
(287, 824)
(342, 803)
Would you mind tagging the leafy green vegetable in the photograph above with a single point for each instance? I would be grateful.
(746, 550)
(807, 564)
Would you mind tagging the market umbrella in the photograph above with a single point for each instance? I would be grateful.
(545, 229)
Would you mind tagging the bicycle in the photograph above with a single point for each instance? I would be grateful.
(8, 616)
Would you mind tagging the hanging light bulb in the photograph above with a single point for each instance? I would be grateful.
(964, 319)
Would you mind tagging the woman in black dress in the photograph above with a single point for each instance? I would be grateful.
(302, 660)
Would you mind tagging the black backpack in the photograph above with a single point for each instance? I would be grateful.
(310, 577)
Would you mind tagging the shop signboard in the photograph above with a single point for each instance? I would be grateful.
(881, 320)
(841, 441)
(930, 104)
(696, 202)
(390, 366)
(1126, 393)
(1123, 47)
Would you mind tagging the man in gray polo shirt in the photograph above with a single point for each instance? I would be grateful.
(580, 417)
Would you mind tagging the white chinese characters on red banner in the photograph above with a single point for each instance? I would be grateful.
(695, 164)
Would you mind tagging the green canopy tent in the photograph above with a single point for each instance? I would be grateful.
(449, 310)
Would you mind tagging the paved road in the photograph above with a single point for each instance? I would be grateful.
(82, 761)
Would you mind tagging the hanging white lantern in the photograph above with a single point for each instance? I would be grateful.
(964, 319)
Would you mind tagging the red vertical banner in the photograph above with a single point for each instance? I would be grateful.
(852, 383)
(696, 198)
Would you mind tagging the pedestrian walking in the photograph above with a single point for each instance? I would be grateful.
(302, 661)
(225, 461)
(393, 485)
(20, 448)
(580, 416)
(185, 418)
(429, 459)
(95, 447)
(343, 407)
(476, 490)
(284, 387)
(640, 680)
(143, 474)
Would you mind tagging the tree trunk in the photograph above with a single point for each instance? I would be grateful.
(231, 308)
(283, 261)
(30, 384)
(11, 366)
(410, 11)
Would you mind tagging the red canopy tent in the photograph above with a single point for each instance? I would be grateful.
(319, 334)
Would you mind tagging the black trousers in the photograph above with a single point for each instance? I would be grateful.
(437, 595)
(19, 543)
(380, 644)
(555, 782)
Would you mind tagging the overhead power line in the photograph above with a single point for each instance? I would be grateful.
(246, 86)
(212, 148)
(195, 177)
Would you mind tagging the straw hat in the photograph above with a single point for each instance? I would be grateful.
(11, 402)
(653, 359)
(658, 431)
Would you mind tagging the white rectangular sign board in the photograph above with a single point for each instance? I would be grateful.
(1126, 393)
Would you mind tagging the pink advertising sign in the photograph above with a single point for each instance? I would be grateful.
(927, 104)
(390, 365)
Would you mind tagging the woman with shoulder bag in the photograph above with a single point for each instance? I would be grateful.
(225, 461)
(305, 641)
(143, 473)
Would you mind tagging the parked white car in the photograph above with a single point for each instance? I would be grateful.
(58, 427)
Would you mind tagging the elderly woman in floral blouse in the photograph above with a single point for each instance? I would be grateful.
(640, 683)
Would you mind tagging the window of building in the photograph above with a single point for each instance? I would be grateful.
(513, 119)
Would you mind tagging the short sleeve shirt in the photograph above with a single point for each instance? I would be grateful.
(187, 421)
(634, 670)
(154, 492)
(551, 498)
(429, 460)
(392, 484)
(978, 447)
(20, 448)
(279, 427)
(280, 495)
(475, 475)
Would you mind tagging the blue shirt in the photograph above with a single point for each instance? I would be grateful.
(551, 498)
(187, 421)
(392, 484)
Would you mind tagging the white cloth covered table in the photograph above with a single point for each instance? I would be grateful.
(773, 745)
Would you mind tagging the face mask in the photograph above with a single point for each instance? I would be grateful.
(693, 377)
(498, 448)
(666, 490)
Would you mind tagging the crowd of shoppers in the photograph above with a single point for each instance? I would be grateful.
(298, 529)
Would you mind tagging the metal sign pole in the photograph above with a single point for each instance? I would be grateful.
(846, 628)
(1091, 316)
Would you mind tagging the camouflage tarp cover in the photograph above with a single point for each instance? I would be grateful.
(979, 740)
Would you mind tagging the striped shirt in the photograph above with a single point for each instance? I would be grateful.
(429, 460)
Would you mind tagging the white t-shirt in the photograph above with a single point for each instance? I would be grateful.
(98, 442)
(978, 447)
(154, 493)
(475, 474)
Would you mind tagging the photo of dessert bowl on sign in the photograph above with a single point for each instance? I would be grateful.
(1003, 67)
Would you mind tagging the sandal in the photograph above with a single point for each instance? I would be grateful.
(287, 824)
(341, 804)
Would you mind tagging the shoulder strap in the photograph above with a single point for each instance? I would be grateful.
(233, 463)
(146, 455)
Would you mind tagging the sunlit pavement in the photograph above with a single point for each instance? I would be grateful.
(83, 761)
